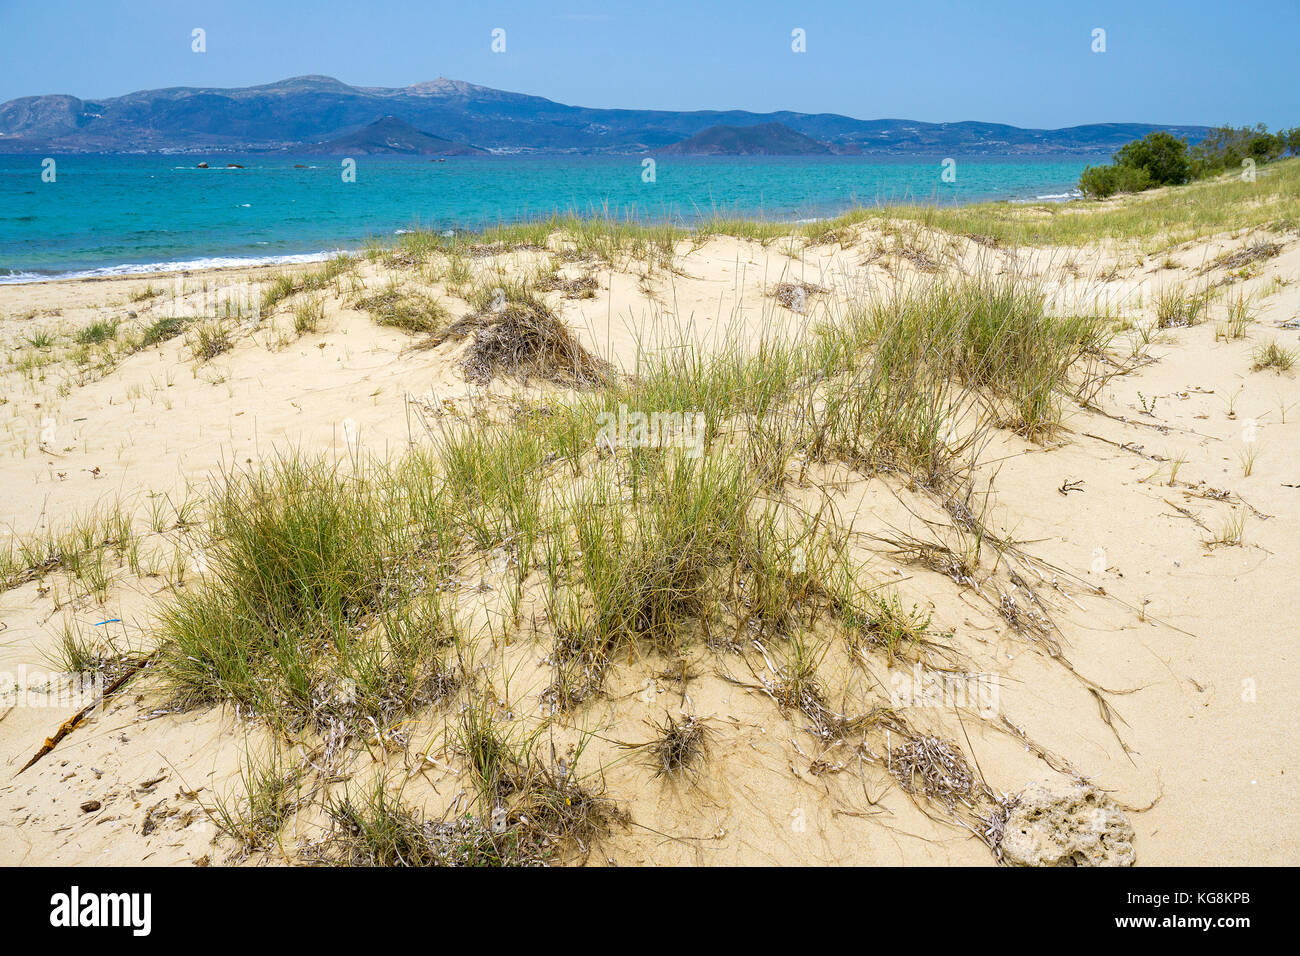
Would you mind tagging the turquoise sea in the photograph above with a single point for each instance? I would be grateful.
(104, 215)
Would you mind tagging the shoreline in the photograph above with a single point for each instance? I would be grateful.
(182, 267)
(1010, 209)
(217, 263)
(673, 214)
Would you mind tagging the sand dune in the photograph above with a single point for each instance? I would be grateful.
(1148, 647)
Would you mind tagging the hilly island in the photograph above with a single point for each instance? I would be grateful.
(448, 117)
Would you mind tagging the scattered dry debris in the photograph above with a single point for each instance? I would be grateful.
(1255, 252)
(677, 745)
(486, 250)
(929, 767)
(794, 295)
(919, 259)
(583, 287)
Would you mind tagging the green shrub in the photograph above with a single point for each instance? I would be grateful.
(1161, 154)
(1103, 181)
(1158, 159)
(1292, 140)
(1226, 148)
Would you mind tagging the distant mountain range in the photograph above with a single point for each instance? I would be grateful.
(312, 113)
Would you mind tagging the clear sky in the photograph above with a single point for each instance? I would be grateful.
(1014, 61)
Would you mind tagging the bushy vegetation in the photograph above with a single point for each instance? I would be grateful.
(1227, 147)
(1162, 159)
(1158, 159)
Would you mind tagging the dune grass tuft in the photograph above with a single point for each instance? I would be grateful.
(1275, 357)
(97, 332)
(677, 745)
(376, 828)
(210, 339)
(162, 330)
(411, 312)
(305, 616)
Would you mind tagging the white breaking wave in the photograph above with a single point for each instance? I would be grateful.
(148, 268)
(1051, 197)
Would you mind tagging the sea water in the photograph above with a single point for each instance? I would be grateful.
(106, 215)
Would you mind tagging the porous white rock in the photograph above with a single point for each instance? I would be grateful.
(1066, 825)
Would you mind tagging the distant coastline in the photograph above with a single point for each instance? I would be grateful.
(303, 113)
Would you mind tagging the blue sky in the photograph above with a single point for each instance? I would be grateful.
(1025, 63)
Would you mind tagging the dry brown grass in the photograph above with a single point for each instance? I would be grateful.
(1255, 252)
(524, 339)
(677, 745)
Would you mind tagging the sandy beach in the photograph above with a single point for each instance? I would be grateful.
(1100, 604)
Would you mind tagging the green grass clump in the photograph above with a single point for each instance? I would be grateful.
(784, 563)
(271, 796)
(1275, 357)
(309, 316)
(1176, 308)
(285, 285)
(87, 550)
(412, 312)
(86, 654)
(304, 612)
(892, 414)
(97, 332)
(75, 652)
(161, 330)
(720, 384)
(42, 339)
(1241, 313)
(987, 335)
(881, 621)
(378, 829)
(648, 539)
(281, 287)
(288, 541)
(145, 294)
(210, 339)
(492, 481)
